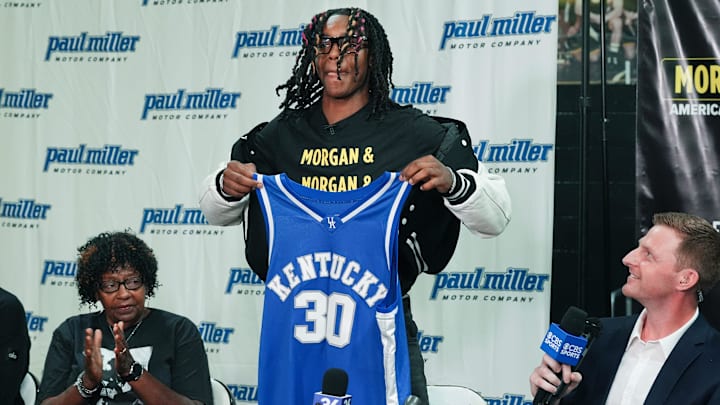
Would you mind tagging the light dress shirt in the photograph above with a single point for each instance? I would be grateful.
(641, 364)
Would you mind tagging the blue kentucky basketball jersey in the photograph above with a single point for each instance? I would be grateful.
(332, 295)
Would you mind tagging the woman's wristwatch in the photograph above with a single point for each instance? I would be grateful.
(136, 370)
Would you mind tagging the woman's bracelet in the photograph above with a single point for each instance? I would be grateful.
(84, 391)
(451, 190)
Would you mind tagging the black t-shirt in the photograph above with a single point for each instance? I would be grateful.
(352, 153)
(357, 149)
(168, 346)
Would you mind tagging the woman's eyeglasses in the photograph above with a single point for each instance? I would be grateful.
(110, 286)
(355, 43)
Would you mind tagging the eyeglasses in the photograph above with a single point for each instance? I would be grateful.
(110, 286)
(355, 44)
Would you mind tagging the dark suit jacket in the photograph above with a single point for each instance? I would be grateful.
(690, 375)
(14, 348)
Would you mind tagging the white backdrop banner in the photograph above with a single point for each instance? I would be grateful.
(96, 135)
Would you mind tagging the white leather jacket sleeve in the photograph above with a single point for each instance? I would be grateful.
(488, 210)
(218, 210)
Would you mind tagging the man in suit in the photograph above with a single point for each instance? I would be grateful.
(668, 354)
(14, 348)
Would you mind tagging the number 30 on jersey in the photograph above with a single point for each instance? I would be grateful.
(329, 318)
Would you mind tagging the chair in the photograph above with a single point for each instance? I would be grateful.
(221, 393)
(453, 394)
(620, 305)
(29, 388)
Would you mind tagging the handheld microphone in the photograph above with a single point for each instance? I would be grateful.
(566, 344)
(334, 387)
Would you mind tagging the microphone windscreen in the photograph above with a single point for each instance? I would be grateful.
(335, 382)
(566, 342)
(573, 322)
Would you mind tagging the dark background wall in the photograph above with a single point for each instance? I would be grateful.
(608, 233)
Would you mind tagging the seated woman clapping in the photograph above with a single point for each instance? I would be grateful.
(126, 352)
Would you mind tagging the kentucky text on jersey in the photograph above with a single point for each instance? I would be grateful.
(110, 42)
(695, 79)
(240, 276)
(269, 38)
(420, 93)
(334, 266)
(211, 333)
(513, 279)
(522, 23)
(25, 98)
(509, 399)
(172, 216)
(58, 268)
(210, 99)
(110, 155)
(23, 209)
(518, 150)
(35, 323)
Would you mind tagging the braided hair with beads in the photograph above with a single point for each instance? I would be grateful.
(303, 88)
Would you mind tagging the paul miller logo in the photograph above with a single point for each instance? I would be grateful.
(26, 102)
(211, 99)
(518, 150)
(109, 155)
(521, 23)
(24, 209)
(111, 42)
(273, 37)
(429, 343)
(242, 278)
(420, 93)
(60, 272)
(212, 333)
(515, 280)
(242, 392)
(25, 98)
(35, 323)
(172, 216)
(509, 399)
